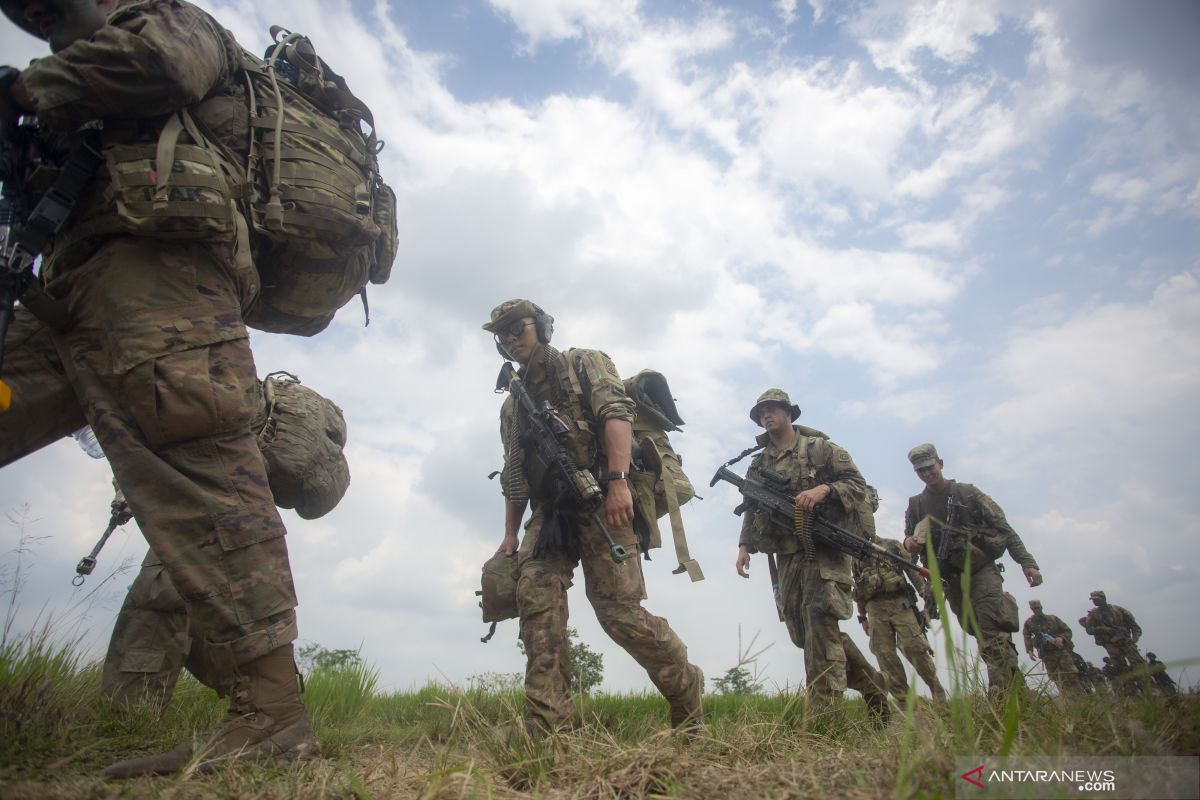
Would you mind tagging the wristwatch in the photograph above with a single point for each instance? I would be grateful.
(614, 476)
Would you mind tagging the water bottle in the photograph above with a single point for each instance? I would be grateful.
(87, 441)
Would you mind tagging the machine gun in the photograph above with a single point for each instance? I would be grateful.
(775, 496)
(574, 488)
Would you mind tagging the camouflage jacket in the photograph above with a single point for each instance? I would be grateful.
(152, 58)
(1111, 624)
(978, 522)
(809, 462)
(583, 386)
(875, 577)
(1036, 625)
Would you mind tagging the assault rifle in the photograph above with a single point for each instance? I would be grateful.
(1048, 642)
(25, 232)
(910, 595)
(575, 488)
(774, 495)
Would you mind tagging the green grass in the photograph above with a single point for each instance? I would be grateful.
(441, 742)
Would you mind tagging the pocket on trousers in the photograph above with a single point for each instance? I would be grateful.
(143, 661)
(255, 562)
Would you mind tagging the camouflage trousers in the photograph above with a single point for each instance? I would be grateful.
(153, 354)
(1129, 665)
(892, 625)
(992, 626)
(1060, 668)
(151, 642)
(812, 608)
(616, 592)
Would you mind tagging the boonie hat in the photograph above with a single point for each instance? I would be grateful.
(774, 396)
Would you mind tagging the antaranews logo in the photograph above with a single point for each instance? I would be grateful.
(977, 772)
(1081, 780)
(987, 777)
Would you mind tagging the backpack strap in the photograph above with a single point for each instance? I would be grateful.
(652, 456)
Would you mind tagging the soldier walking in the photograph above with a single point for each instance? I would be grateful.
(1116, 630)
(968, 531)
(585, 394)
(814, 579)
(1050, 638)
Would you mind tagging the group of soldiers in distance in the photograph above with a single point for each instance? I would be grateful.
(1125, 671)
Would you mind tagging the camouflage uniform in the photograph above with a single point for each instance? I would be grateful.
(1059, 661)
(1158, 674)
(148, 339)
(151, 641)
(814, 587)
(1115, 629)
(584, 388)
(886, 600)
(980, 529)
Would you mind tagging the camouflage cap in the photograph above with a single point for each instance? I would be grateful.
(1035, 603)
(15, 11)
(774, 396)
(923, 455)
(1099, 593)
(509, 312)
(1150, 655)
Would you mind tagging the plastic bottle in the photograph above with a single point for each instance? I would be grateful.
(87, 441)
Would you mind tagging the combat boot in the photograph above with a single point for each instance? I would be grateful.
(879, 710)
(265, 720)
(687, 709)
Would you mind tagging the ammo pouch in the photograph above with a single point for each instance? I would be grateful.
(1010, 615)
(498, 592)
(302, 437)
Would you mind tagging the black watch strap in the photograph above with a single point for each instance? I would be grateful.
(614, 476)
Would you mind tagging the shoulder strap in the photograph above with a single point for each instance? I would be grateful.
(652, 455)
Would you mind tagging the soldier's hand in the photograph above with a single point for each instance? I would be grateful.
(911, 545)
(1032, 657)
(1058, 641)
(618, 505)
(743, 562)
(1033, 575)
(810, 498)
(509, 545)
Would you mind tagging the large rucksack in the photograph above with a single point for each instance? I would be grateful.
(322, 221)
(659, 484)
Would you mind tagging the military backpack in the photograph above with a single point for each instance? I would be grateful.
(322, 220)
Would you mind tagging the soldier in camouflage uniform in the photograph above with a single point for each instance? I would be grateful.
(978, 534)
(1050, 638)
(814, 582)
(143, 338)
(1115, 629)
(1158, 674)
(887, 609)
(583, 387)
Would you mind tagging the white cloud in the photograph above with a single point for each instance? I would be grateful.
(554, 20)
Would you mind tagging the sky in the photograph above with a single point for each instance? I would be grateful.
(975, 224)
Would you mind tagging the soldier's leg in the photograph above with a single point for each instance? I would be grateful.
(995, 641)
(542, 585)
(862, 677)
(616, 592)
(916, 649)
(883, 645)
(149, 642)
(160, 360)
(1061, 668)
(825, 603)
(44, 407)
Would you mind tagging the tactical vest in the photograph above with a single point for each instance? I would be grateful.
(966, 518)
(565, 392)
(877, 578)
(772, 533)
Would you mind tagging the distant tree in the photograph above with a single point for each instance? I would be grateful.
(313, 656)
(587, 666)
(737, 680)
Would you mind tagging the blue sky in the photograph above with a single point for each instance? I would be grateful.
(967, 223)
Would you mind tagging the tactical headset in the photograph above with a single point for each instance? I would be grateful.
(543, 325)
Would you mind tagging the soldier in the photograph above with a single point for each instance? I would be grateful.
(887, 609)
(586, 393)
(1091, 679)
(1050, 638)
(814, 584)
(141, 335)
(1158, 674)
(968, 527)
(1115, 629)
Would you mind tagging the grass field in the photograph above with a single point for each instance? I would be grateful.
(56, 733)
